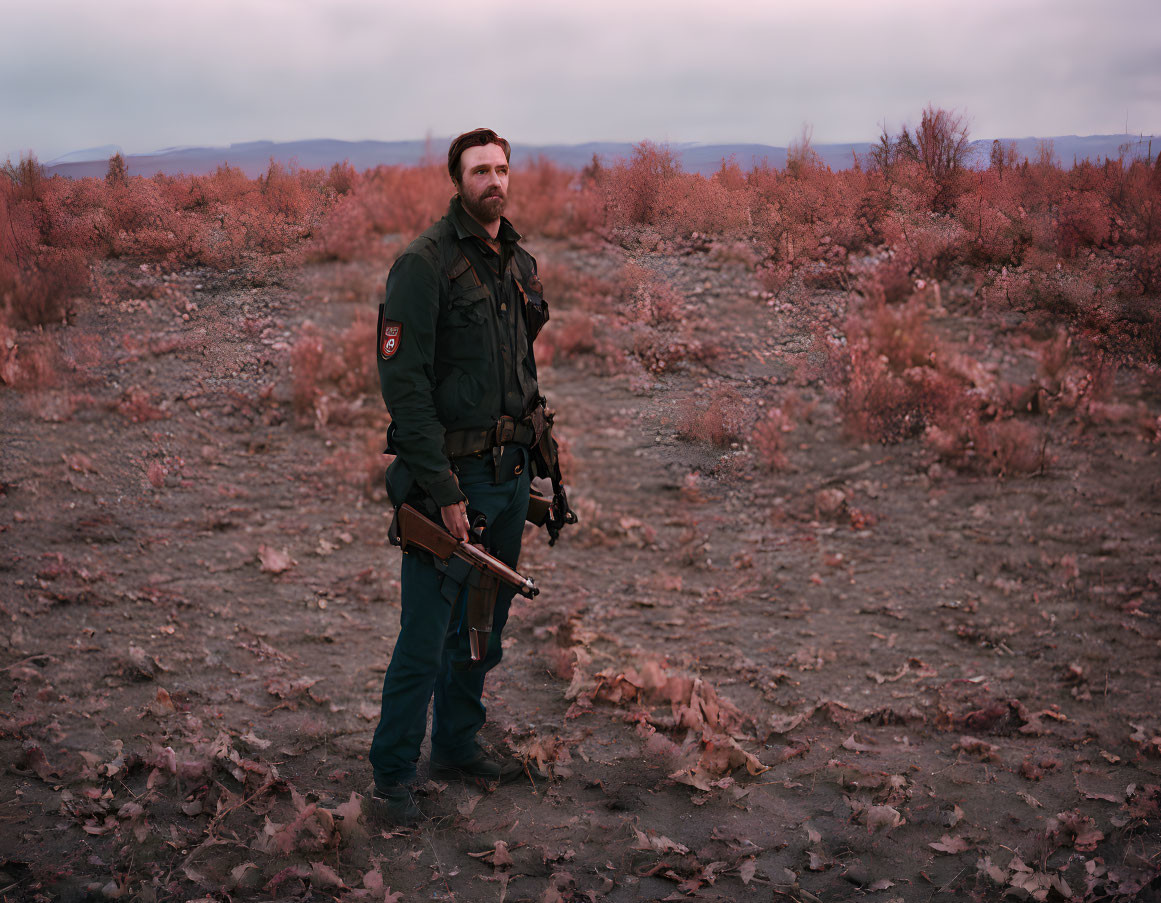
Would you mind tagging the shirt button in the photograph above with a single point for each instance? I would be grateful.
(503, 307)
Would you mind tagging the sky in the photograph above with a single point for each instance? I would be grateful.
(148, 74)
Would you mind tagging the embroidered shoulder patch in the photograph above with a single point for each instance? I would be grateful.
(389, 340)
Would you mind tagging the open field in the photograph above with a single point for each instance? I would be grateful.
(864, 602)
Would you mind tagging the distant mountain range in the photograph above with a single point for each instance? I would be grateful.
(253, 157)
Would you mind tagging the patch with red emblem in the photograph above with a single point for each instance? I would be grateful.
(389, 340)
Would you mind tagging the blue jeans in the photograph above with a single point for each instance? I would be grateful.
(433, 640)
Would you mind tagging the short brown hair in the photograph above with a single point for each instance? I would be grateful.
(474, 138)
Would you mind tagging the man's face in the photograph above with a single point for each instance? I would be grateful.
(483, 181)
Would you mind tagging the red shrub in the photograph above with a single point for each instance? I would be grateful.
(306, 358)
(774, 278)
(890, 377)
(888, 282)
(768, 440)
(566, 287)
(881, 405)
(343, 179)
(331, 374)
(361, 464)
(567, 335)
(45, 291)
(548, 200)
(357, 373)
(647, 298)
(1084, 221)
(636, 191)
(386, 201)
(660, 351)
(29, 363)
(283, 192)
(720, 422)
(136, 405)
(899, 334)
(1000, 447)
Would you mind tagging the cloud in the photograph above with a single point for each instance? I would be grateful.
(150, 74)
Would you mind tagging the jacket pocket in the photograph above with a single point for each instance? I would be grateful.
(465, 337)
(467, 308)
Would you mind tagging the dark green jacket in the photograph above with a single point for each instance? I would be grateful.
(455, 342)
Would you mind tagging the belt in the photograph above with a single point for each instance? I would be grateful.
(507, 431)
(497, 467)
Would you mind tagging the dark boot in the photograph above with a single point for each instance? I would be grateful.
(393, 806)
(479, 770)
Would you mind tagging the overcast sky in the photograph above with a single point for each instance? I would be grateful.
(146, 74)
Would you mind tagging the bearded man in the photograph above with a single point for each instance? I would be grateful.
(458, 375)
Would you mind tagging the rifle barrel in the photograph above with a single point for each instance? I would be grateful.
(522, 584)
(417, 529)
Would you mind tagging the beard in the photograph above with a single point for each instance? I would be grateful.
(485, 209)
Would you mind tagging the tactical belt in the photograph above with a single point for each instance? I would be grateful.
(507, 431)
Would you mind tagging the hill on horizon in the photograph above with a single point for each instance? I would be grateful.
(253, 157)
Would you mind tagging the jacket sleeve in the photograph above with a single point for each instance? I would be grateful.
(407, 376)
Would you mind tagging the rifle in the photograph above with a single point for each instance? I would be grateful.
(546, 456)
(421, 532)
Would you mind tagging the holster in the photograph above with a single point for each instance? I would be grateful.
(545, 457)
(539, 509)
(546, 464)
(480, 606)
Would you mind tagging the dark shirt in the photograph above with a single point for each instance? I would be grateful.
(496, 270)
(462, 355)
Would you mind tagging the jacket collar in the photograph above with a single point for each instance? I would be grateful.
(466, 225)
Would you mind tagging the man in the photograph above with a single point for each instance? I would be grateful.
(458, 375)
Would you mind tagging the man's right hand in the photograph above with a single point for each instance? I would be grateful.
(455, 518)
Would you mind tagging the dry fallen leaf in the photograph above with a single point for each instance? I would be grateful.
(33, 757)
(978, 747)
(350, 825)
(498, 857)
(80, 462)
(657, 842)
(949, 844)
(238, 873)
(1080, 828)
(373, 880)
(162, 703)
(252, 740)
(274, 561)
(501, 858)
(993, 871)
(886, 817)
(781, 724)
(468, 806)
(322, 875)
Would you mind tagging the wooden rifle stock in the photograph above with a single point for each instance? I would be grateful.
(417, 530)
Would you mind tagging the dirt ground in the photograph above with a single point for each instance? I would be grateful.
(863, 677)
